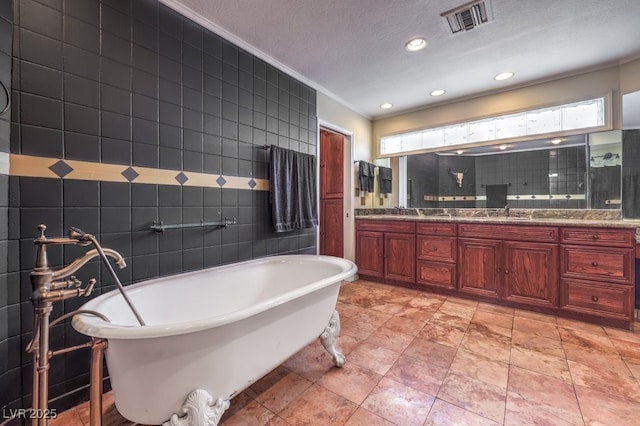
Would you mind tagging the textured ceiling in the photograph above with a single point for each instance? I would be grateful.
(352, 50)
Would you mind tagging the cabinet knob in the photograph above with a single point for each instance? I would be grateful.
(498, 270)
(595, 237)
(594, 263)
(434, 248)
(595, 298)
(506, 271)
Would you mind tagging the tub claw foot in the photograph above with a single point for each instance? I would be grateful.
(329, 339)
(199, 409)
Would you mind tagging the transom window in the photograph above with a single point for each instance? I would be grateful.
(577, 116)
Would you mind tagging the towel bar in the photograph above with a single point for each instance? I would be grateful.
(161, 227)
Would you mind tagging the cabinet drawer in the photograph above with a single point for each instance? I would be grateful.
(436, 273)
(597, 263)
(386, 225)
(598, 236)
(600, 299)
(542, 234)
(436, 248)
(437, 228)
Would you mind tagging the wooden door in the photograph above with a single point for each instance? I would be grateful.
(331, 214)
(331, 165)
(369, 253)
(531, 273)
(400, 257)
(331, 193)
(479, 266)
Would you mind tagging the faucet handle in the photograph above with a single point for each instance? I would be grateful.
(41, 239)
(77, 234)
(89, 288)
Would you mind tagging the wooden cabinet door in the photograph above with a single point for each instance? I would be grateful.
(479, 267)
(369, 253)
(331, 230)
(331, 164)
(400, 257)
(531, 273)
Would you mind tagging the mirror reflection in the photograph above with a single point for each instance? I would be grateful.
(575, 172)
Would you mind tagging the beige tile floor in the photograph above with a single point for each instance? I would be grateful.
(418, 358)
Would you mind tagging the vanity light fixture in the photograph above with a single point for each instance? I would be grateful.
(386, 105)
(438, 92)
(503, 147)
(556, 141)
(503, 76)
(415, 44)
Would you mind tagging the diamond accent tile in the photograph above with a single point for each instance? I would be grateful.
(181, 178)
(221, 181)
(61, 168)
(130, 174)
(252, 184)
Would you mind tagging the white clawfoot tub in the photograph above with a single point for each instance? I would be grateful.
(212, 333)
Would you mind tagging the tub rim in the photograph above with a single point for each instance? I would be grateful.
(95, 327)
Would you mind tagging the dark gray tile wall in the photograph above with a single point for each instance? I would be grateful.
(9, 306)
(422, 170)
(570, 165)
(134, 83)
(631, 181)
(525, 173)
(448, 185)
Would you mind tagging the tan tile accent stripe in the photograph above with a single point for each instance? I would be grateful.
(529, 197)
(30, 166)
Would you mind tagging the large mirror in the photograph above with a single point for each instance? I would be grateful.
(573, 172)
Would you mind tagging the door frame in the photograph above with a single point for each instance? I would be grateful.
(348, 222)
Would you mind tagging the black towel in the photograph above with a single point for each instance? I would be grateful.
(385, 179)
(366, 172)
(292, 190)
(631, 198)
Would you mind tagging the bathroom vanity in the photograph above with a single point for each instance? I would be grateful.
(584, 269)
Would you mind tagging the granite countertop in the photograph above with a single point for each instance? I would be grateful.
(553, 217)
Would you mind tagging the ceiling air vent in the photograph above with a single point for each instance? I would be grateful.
(468, 16)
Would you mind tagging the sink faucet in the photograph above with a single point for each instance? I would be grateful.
(506, 210)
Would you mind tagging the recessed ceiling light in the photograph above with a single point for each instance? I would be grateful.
(415, 44)
(386, 105)
(459, 152)
(438, 92)
(503, 147)
(503, 76)
(556, 141)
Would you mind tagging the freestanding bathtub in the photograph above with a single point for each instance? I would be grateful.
(212, 333)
